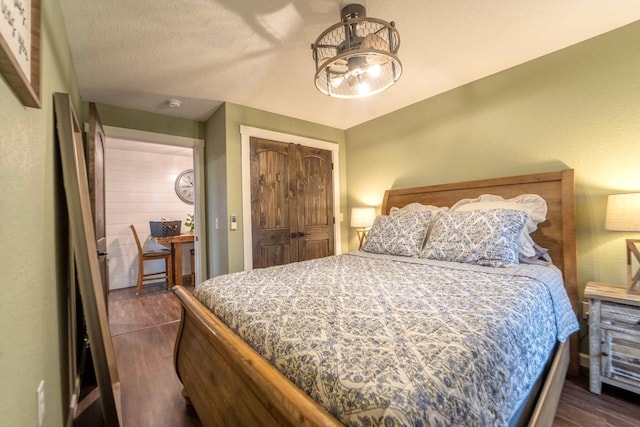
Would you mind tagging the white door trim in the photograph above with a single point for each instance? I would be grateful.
(246, 132)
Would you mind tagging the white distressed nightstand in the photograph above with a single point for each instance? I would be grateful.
(614, 337)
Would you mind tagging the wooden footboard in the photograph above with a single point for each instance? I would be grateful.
(228, 383)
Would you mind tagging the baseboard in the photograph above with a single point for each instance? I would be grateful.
(584, 361)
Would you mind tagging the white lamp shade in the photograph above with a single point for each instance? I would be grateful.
(623, 212)
(362, 217)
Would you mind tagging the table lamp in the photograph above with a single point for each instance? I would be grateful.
(362, 218)
(623, 214)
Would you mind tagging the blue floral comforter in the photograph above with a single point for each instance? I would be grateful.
(383, 340)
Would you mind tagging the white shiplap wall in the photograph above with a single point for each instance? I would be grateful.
(139, 182)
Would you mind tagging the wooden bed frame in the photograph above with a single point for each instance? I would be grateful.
(229, 384)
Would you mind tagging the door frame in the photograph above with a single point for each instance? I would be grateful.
(246, 132)
(198, 166)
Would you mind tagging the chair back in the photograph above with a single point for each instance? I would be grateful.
(135, 236)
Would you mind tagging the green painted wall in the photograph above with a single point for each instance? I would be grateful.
(216, 185)
(111, 115)
(31, 217)
(576, 108)
(235, 116)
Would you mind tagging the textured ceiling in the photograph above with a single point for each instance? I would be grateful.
(138, 54)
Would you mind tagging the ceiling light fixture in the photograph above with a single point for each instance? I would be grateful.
(358, 56)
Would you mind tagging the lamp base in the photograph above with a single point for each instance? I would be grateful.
(633, 280)
(362, 233)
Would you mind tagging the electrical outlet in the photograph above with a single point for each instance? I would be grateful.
(234, 222)
(217, 224)
(40, 393)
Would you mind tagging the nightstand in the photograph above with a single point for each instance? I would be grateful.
(614, 337)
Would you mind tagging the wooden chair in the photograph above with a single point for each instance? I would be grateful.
(143, 256)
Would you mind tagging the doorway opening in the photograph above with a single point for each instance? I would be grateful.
(141, 174)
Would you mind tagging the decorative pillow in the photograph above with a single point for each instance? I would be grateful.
(484, 237)
(534, 205)
(416, 207)
(400, 234)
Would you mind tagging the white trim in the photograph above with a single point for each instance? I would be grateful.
(246, 133)
(153, 137)
(198, 164)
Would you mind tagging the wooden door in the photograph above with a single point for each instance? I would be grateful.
(95, 172)
(291, 202)
(314, 203)
(273, 212)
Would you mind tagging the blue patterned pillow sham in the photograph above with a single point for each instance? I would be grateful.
(400, 234)
(532, 204)
(482, 237)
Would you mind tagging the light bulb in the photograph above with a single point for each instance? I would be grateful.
(337, 81)
(363, 87)
(374, 70)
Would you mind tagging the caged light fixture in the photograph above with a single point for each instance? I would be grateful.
(358, 56)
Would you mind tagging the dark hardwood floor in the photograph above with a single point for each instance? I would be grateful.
(144, 329)
(579, 407)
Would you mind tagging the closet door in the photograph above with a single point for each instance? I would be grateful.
(291, 202)
(314, 203)
(273, 203)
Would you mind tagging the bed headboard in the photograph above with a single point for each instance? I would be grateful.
(557, 233)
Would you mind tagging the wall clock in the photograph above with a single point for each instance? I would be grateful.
(185, 186)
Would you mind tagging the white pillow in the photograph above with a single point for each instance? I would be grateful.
(534, 205)
(416, 207)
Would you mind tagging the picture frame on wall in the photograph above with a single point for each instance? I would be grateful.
(85, 254)
(20, 48)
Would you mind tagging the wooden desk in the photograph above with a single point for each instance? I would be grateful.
(176, 249)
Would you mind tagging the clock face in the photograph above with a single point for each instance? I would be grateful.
(185, 186)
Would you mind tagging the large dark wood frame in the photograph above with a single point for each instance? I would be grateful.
(83, 243)
(228, 383)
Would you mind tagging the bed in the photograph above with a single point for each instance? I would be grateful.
(229, 383)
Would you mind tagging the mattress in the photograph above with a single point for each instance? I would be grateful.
(384, 340)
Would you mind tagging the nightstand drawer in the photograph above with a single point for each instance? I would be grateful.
(620, 356)
(620, 317)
